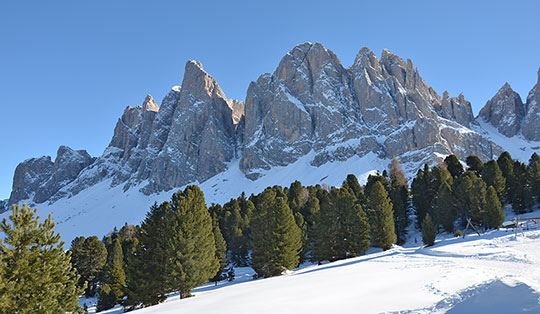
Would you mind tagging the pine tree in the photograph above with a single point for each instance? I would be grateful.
(221, 250)
(107, 298)
(381, 217)
(352, 182)
(444, 209)
(275, 237)
(453, 165)
(399, 196)
(341, 229)
(148, 268)
(470, 198)
(429, 231)
(534, 173)
(194, 260)
(422, 193)
(506, 165)
(114, 272)
(493, 176)
(494, 212)
(37, 274)
(520, 190)
(88, 256)
(475, 164)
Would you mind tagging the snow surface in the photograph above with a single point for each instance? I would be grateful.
(517, 146)
(99, 208)
(492, 273)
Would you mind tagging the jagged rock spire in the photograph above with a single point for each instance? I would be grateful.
(505, 111)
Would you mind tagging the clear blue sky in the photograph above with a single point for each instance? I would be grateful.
(69, 68)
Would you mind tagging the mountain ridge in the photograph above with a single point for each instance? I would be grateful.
(311, 103)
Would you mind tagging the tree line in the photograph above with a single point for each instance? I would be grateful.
(182, 243)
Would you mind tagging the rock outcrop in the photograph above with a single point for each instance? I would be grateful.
(310, 105)
(505, 111)
(38, 179)
(531, 125)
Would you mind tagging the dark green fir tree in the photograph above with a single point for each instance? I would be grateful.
(381, 217)
(453, 165)
(341, 229)
(88, 256)
(494, 212)
(429, 231)
(192, 241)
(493, 176)
(275, 237)
(221, 251)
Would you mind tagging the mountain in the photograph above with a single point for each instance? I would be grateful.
(311, 114)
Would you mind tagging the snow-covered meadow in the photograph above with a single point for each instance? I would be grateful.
(496, 272)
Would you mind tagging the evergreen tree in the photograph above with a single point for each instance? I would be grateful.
(194, 260)
(372, 179)
(107, 298)
(36, 272)
(493, 176)
(399, 196)
(341, 229)
(494, 212)
(475, 164)
(275, 236)
(423, 193)
(444, 211)
(470, 196)
(429, 231)
(453, 165)
(381, 217)
(148, 268)
(221, 250)
(534, 173)
(115, 276)
(520, 190)
(234, 223)
(88, 256)
(352, 183)
(506, 165)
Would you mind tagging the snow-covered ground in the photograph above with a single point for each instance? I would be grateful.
(492, 273)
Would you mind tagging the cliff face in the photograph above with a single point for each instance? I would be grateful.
(505, 111)
(531, 125)
(38, 179)
(310, 104)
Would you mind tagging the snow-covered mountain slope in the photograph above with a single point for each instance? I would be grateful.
(492, 273)
(311, 120)
(99, 208)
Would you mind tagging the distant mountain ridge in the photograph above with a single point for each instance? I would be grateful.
(311, 104)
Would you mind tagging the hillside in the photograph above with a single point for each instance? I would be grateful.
(491, 273)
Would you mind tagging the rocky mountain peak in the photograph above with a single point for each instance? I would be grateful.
(309, 106)
(505, 111)
(150, 104)
(199, 83)
(456, 109)
(38, 179)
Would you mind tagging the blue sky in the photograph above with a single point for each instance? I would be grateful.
(68, 69)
